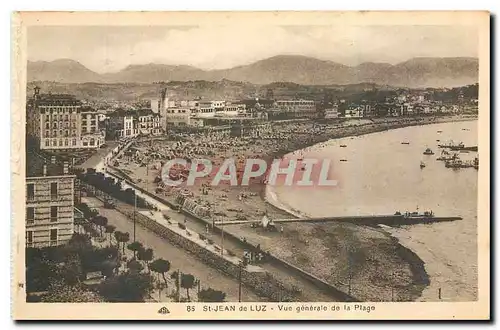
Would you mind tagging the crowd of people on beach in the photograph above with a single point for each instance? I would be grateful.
(267, 141)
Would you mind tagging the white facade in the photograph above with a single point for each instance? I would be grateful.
(354, 113)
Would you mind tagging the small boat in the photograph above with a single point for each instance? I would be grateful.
(452, 145)
(438, 140)
(440, 131)
(405, 142)
(343, 146)
(343, 160)
(422, 164)
(428, 151)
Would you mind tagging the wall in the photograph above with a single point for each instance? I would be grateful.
(262, 283)
(297, 271)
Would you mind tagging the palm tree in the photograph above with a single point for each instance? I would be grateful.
(187, 282)
(110, 229)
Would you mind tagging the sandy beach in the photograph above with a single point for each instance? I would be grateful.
(384, 270)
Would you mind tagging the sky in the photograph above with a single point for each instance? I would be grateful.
(112, 48)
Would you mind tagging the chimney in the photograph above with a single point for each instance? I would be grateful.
(44, 169)
(65, 167)
(53, 159)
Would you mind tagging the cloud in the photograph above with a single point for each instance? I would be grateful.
(106, 49)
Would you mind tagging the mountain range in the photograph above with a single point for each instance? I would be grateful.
(416, 72)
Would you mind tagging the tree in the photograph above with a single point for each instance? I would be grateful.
(145, 255)
(187, 282)
(110, 229)
(101, 222)
(70, 294)
(117, 235)
(135, 246)
(161, 266)
(40, 275)
(128, 287)
(135, 266)
(72, 271)
(211, 295)
(122, 238)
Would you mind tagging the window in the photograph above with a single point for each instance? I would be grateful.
(73, 143)
(53, 213)
(47, 143)
(47, 133)
(60, 142)
(29, 236)
(54, 143)
(66, 142)
(53, 190)
(53, 235)
(47, 125)
(31, 191)
(30, 214)
(74, 125)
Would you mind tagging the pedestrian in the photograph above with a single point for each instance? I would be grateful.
(281, 229)
(207, 229)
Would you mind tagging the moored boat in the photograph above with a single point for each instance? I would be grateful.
(428, 151)
(422, 164)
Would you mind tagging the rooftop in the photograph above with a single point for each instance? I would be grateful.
(56, 99)
(35, 162)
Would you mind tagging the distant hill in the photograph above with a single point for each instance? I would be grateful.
(63, 70)
(417, 72)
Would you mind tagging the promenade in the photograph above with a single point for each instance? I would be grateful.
(178, 257)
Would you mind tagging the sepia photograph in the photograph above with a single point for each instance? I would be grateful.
(251, 165)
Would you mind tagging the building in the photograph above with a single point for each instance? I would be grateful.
(297, 108)
(231, 110)
(148, 122)
(178, 116)
(49, 202)
(131, 123)
(59, 122)
(331, 112)
(354, 111)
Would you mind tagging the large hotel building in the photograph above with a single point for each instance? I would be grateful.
(60, 122)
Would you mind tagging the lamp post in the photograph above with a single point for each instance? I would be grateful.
(222, 237)
(135, 208)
